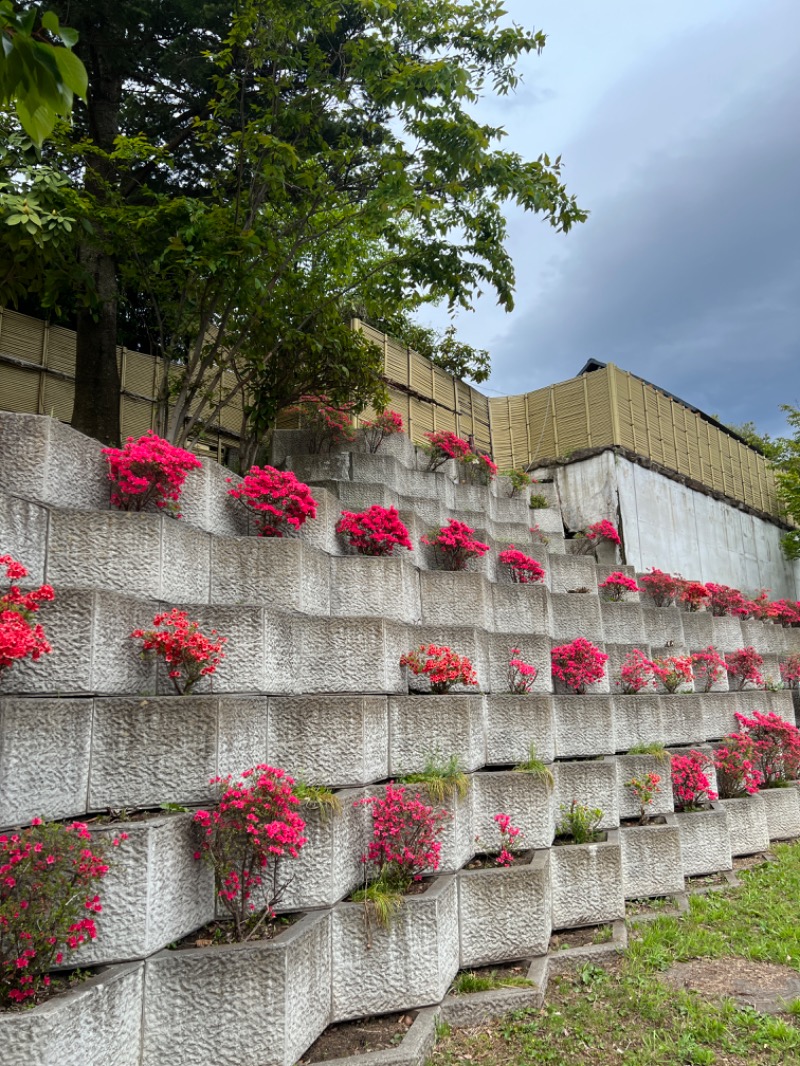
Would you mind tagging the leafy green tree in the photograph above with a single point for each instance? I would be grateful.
(786, 463)
(443, 349)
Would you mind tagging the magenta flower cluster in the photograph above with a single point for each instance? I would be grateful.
(147, 470)
(376, 531)
(279, 501)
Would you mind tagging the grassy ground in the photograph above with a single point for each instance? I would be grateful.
(625, 1014)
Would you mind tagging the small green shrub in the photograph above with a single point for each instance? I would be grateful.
(538, 502)
(441, 778)
(580, 823)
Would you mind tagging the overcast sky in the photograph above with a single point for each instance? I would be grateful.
(679, 126)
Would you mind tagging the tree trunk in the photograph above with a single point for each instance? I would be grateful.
(96, 411)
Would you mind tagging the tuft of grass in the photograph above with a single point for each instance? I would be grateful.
(467, 982)
(604, 935)
(441, 778)
(538, 502)
(382, 899)
(319, 798)
(658, 751)
(533, 765)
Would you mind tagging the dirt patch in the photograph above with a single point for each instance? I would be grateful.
(581, 938)
(221, 932)
(359, 1037)
(767, 987)
(750, 862)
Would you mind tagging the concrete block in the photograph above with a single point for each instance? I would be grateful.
(465, 640)
(457, 837)
(185, 563)
(622, 622)
(367, 587)
(206, 503)
(333, 466)
(526, 798)
(747, 824)
(357, 496)
(330, 740)
(681, 719)
(241, 733)
(783, 812)
(514, 723)
(521, 607)
(534, 650)
(698, 629)
(96, 1023)
(592, 782)
(570, 572)
(320, 532)
(638, 766)
(44, 758)
(117, 661)
(23, 535)
(765, 637)
(472, 1009)
(67, 670)
(778, 702)
(504, 913)
(428, 725)
(617, 656)
(586, 883)
(112, 550)
(576, 615)
(284, 574)
(276, 1002)
(333, 655)
(243, 668)
(718, 711)
(584, 725)
(411, 963)
(155, 891)
(638, 720)
(651, 860)
(705, 844)
(662, 625)
(726, 633)
(460, 598)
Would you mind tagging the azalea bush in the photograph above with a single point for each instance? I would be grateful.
(278, 500)
(708, 667)
(405, 837)
(327, 424)
(691, 787)
(49, 875)
(21, 636)
(578, 664)
(616, 585)
(636, 673)
(662, 588)
(790, 671)
(454, 545)
(441, 666)
(478, 469)
(521, 675)
(524, 569)
(775, 747)
(744, 667)
(148, 470)
(443, 445)
(673, 672)
(737, 772)
(645, 789)
(189, 655)
(245, 839)
(786, 613)
(376, 430)
(693, 595)
(724, 600)
(509, 839)
(604, 530)
(376, 531)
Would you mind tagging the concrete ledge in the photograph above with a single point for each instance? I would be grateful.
(558, 961)
(478, 1008)
(413, 1049)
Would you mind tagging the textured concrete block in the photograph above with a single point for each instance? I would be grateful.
(276, 999)
(310, 469)
(697, 630)
(622, 622)
(206, 504)
(638, 766)
(726, 633)
(23, 535)
(362, 586)
(503, 509)
(457, 837)
(95, 1024)
(592, 782)
(584, 725)
(243, 668)
(280, 573)
(778, 702)
(718, 711)
(330, 740)
(586, 883)
(617, 656)
(504, 913)
(569, 572)
(531, 649)
(44, 758)
(637, 720)
(155, 892)
(428, 725)
(514, 723)
(524, 608)
(117, 661)
(783, 812)
(112, 550)
(747, 824)
(662, 625)
(464, 640)
(526, 798)
(765, 637)
(241, 733)
(576, 615)
(681, 719)
(185, 563)
(459, 598)
(705, 844)
(337, 655)
(411, 963)
(651, 860)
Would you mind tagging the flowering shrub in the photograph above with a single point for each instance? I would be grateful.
(188, 653)
(48, 903)
(524, 569)
(538, 535)
(790, 671)
(636, 673)
(645, 789)
(376, 531)
(519, 480)
(605, 530)
(786, 613)
(673, 671)
(578, 664)
(279, 501)
(743, 667)
(693, 595)
(443, 445)
(737, 774)
(509, 836)
(521, 675)
(479, 469)
(660, 587)
(617, 584)
(405, 836)
(761, 607)
(724, 600)
(708, 667)
(441, 666)
(384, 425)
(254, 825)
(454, 545)
(326, 423)
(20, 637)
(776, 747)
(148, 469)
(690, 786)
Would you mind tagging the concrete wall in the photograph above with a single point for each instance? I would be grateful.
(667, 525)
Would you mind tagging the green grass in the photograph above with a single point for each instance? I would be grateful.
(441, 778)
(468, 981)
(655, 749)
(383, 900)
(534, 766)
(623, 1014)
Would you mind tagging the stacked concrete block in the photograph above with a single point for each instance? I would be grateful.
(747, 824)
(584, 725)
(726, 633)
(429, 726)
(663, 626)
(638, 720)
(576, 615)
(651, 859)
(515, 723)
(23, 534)
(622, 623)
(284, 574)
(525, 608)
(533, 650)
(630, 767)
(783, 812)
(569, 573)
(586, 883)
(457, 837)
(456, 598)
(705, 843)
(525, 797)
(681, 719)
(698, 630)
(365, 587)
(590, 782)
